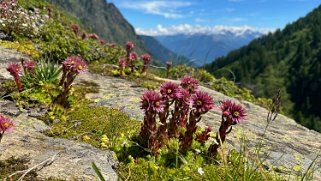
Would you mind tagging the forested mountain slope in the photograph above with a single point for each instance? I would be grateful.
(289, 59)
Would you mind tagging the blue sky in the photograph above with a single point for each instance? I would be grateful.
(159, 15)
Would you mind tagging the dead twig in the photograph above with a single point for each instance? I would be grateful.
(41, 165)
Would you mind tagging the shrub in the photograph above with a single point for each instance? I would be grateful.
(17, 22)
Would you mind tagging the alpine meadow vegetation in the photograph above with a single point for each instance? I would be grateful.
(170, 143)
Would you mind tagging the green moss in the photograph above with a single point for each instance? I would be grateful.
(7, 87)
(11, 165)
(89, 124)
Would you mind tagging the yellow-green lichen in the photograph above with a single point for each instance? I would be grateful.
(25, 47)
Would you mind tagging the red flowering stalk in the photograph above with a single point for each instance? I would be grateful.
(84, 35)
(168, 91)
(152, 103)
(15, 69)
(72, 66)
(201, 103)
(168, 67)
(6, 126)
(189, 84)
(147, 59)
(75, 28)
(203, 137)
(231, 114)
(29, 66)
(50, 10)
(102, 42)
(122, 65)
(183, 97)
(93, 36)
(133, 56)
(112, 45)
(129, 46)
(129, 57)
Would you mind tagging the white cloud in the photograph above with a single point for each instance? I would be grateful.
(197, 29)
(168, 9)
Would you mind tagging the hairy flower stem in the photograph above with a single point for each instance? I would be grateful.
(194, 118)
(18, 83)
(63, 78)
(149, 131)
(121, 70)
(61, 100)
(224, 129)
(144, 71)
(162, 134)
(173, 124)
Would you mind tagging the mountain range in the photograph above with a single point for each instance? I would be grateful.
(289, 60)
(108, 23)
(162, 53)
(202, 48)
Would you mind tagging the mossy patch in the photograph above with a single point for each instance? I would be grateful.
(90, 124)
(7, 87)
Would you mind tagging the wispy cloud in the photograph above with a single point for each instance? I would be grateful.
(167, 9)
(197, 29)
(200, 20)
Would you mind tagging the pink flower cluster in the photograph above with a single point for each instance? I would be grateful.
(16, 69)
(147, 59)
(236, 113)
(158, 105)
(6, 126)
(132, 57)
(77, 30)
(182, 106)
(29, 65)
(232, 114)
(72, 66)
(129, 46)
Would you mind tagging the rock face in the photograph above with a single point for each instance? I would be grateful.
(285, 143)
(6, 56)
